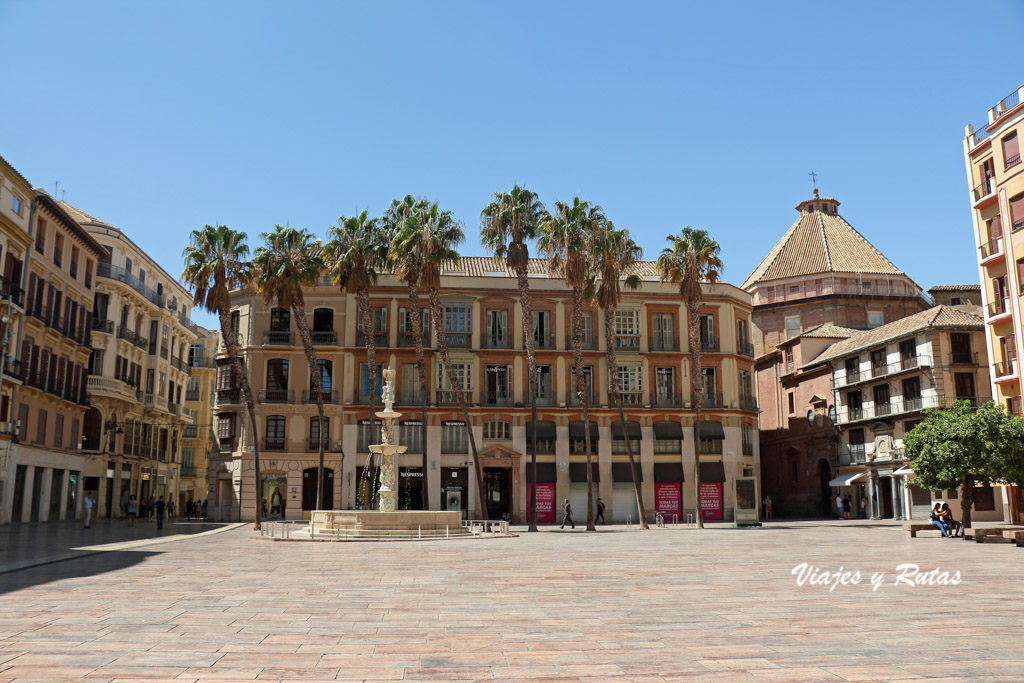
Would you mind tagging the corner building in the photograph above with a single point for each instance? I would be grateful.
(482, 316)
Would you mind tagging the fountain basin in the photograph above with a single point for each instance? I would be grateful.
(373, 523)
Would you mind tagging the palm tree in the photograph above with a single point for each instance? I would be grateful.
(406, 265)
(432, 236)
(356, 252)
(506, 224)
(215, 264)
(690, 259)
(289, 261)
(616, 254)
(565, 240)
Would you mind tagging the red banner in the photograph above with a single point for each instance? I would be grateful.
(711, 499)
(667, 500)
(545, 502)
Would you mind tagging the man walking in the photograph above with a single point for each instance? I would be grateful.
(567, 514)
(88, 509)
(160, 507)
(600, 512)
(839, 506)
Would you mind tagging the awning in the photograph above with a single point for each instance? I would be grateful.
(578, 472)
(712, 471)
(667, 472)
(545, 430)
(621, 472)
(546, 473)
(632, 428)
(903, 472)
(577, 432)
(668, 431)
(712, 431)
(846, 479)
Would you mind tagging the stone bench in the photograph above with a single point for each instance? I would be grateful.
(998, 532)
(1015, 535)
(913, 528)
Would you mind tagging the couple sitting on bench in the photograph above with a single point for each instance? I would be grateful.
(942, 519)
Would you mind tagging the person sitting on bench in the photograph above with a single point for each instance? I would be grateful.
(936, 520)
(946, 517)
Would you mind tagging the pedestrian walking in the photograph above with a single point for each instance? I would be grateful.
(863, 507)
(839, 506)
(133, 509)
(768, 507)
(170, 509)
(189, 508)
(567, 514)
(88, 509)
(160, 509)
(847, 504)
(204, 508)
(600, 512)
(142, 508)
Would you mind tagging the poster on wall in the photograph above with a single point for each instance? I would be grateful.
(667, 500)
(274, 488)
(711, 499)
(545, 502)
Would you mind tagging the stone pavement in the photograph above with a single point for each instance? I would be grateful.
(669, 605)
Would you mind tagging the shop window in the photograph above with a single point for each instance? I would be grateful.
(454, 438)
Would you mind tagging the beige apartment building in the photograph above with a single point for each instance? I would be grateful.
(482, 326)
(197, 437)
(141, 338)
(995, 178)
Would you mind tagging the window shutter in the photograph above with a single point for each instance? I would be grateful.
(31, 289)
(1011, 148)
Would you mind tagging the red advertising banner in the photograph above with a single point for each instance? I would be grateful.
(545, 502)
(711, 499)
(667, 499)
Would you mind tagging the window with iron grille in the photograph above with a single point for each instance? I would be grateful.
(498, 431)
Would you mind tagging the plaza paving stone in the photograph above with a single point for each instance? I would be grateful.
(718, 604)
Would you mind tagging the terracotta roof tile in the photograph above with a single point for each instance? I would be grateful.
(830, 331)
(955, 288)
(483, 266)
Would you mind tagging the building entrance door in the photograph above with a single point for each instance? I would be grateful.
(309, 485)
(19, 493)
(499, 495)
(825, 476)
(885, 510)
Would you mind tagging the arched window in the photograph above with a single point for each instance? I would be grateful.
(810, 418)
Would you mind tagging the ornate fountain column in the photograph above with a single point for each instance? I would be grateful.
(388, 448)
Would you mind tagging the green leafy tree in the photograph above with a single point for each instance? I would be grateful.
(216, 262)
(355, 253)
(289, 261)
(506, 225)
(953, 448)
(566, 241)
(690, 260)
(615, 256)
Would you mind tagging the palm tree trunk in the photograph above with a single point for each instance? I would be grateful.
(696, 395)
(526, 304)
(577, 359)
(234, 357)
(366, 319)
(613, 391)
(421, 368)
(442, 347)
(317, 382)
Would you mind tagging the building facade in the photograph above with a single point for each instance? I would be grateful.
(995, 179)
(481, 320)
(822, 281)
(198, 437)
(138, 370)
(883, 380)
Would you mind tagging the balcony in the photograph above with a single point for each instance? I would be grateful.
(104, 326)
(496, 341)
(228, 397)
(278, 338)
(710, 343)
(115, 388)
(407, 339)
(272, 443)
(574, 399)
(589, 342)
(380, 338)
(175, 409)
(12, 292)
(121, 275)
(191, 394)
(12, 369)
(449, 397)
(986, 188)
(709, 400)
(179, 364)
(991, 251)
(131, 337)
(201, 361)
(663, 342)
(666, 401)
(546, 400)
(324, 337)
(309, 396)
(1004, 371)
(745, 348)
(164, 352)
(493, 398)
(748, 403)
(276, 396)
(631, 398)
(963, 358)
(410, 398)
(627, 342)
(998, 311)
(543, 341)
(458, 340)
(313, 444)
(852, 455)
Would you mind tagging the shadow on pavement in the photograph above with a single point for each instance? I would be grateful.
(74, 567)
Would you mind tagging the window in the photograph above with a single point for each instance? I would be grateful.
(463, 375)
(74, 262)
(964, 383)
(41, 427)
(277, 374)
(458, 324)
(412, 392)
(411, 434)
(405, 325)
(792, 326)
(497, 333)
(588, 385)
(709, 386)
(747, 436)
(794, 289)
(1011, 150)
(664, 386)
(792, 402)
(314, 433)
(58, 432)
(128, 264)
(497, 391)
(874, 318)
(1017, 212)
(630, 384)
(746, 384)
(454, 438)
(15, 204)
(544, 388)
(542, 330)
(40, 235)
(378, 320)
(881, 399)
(955, 301)
(280, 319)
(498, 431)
(866, 285)
(366, 437)
(364, 382)
(225, 377)
(741, 333)
(88, 273)
(663, 337)
(326, 370)
(274, 439)
(58, 249)
(878, 357)
(627, 329)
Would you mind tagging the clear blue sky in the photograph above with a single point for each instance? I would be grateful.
(160, 117)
